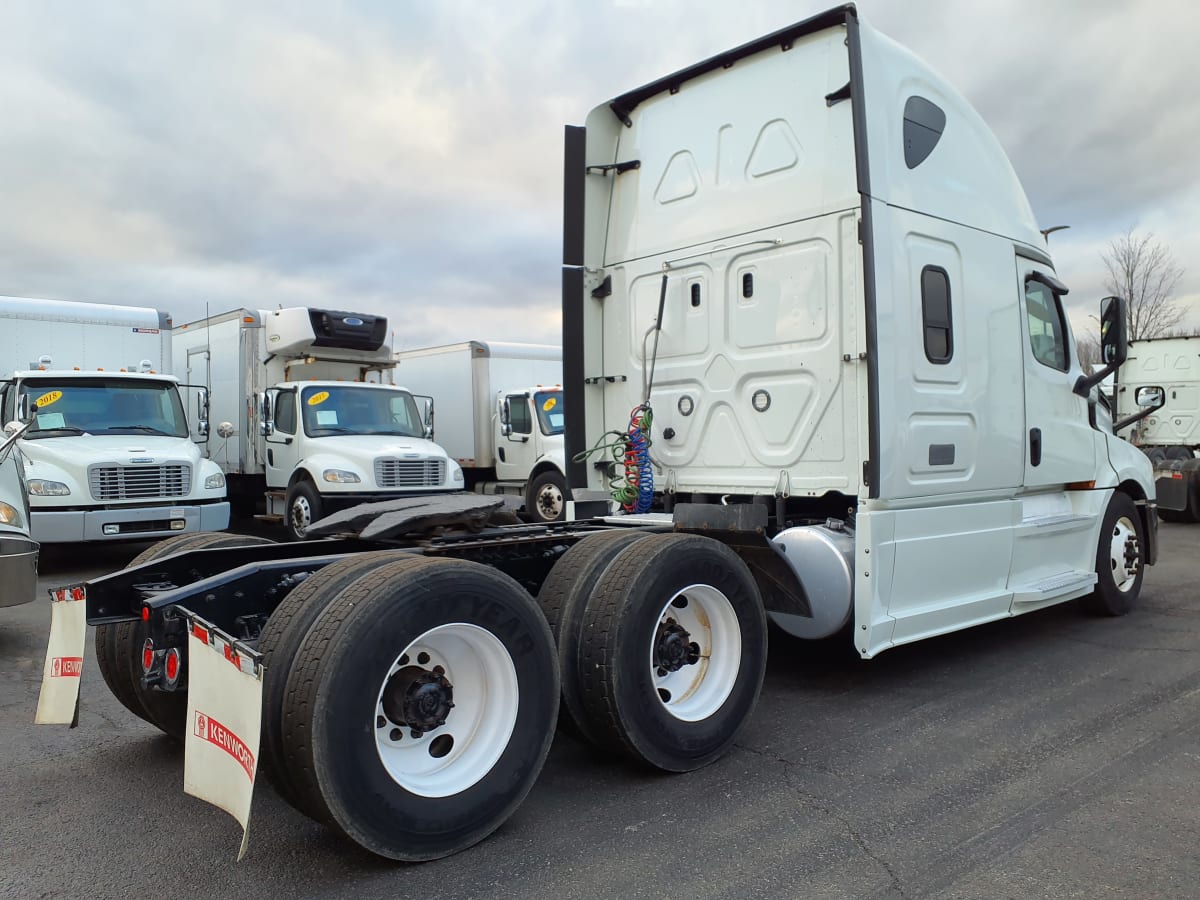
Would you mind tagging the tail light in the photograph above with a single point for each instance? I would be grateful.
(173, 667)
(147, 656)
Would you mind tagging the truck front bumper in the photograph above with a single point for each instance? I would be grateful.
(18, 569)
(126, 523)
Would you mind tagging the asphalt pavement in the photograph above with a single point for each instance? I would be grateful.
(1052, 755)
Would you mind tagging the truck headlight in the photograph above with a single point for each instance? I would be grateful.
(43, 487)
(9, 515)
(340, 476)
(214, 481)
(457, 476)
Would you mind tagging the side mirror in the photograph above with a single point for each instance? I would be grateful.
(505, 418)
(1150, 398)
(266, 422)
(202, 412)
(1114, 346)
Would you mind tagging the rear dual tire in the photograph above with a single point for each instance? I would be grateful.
(420, 705)
(663, 643)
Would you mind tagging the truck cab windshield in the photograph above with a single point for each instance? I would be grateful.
(549, 406)
(332, 410)
(60, 407)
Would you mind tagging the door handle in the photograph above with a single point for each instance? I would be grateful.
(1035, 446)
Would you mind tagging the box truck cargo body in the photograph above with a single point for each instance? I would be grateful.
(107, 452)
(302, 419)
(814, 347)
(500, 415)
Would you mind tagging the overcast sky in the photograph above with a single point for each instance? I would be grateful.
(404, 158)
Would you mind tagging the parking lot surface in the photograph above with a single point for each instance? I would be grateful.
(1049, 755)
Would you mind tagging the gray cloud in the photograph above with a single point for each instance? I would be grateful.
(405, 158)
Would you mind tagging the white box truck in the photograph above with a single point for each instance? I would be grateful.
(303, 419)
(502, 416)
(808, 269)
(1171, 435)
(108, 453)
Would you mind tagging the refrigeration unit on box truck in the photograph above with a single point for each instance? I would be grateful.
(302, 418)
(501, 416)
(107, 452)
(815, 347)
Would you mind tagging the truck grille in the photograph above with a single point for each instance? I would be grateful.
(398, 473)
(139, 482)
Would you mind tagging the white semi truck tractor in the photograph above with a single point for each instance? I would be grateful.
(502, 417)
(302, 418)
(108, 452)
(815, 340)
(1171, 436)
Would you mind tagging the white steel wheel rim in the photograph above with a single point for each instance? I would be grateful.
(1124, 573)
(550, 501)
(697, 690)
(301, 514)
(486, 699)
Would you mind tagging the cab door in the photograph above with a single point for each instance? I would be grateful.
(1060, 442)
(515, 447)
(282, 444)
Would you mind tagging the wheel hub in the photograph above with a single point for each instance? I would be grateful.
(674, 647)
(418, 698)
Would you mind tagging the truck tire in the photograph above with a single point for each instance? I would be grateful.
(546, 497)
(119, 647)
(562, 598)
(302, 507)
(285, 630)
(1156, 455)
(1178, 453)
(453, 646)
(1119, 560)
(673, 651)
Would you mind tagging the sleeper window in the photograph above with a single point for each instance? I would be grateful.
(935, 314)
(1047, 333)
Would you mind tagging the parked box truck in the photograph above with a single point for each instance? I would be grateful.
(303, 418)
(501, 417)
(808, 312)
(1171, 435)
(107, 453)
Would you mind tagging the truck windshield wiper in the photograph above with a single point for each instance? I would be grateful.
(147, 429)
(47, 432)
(335, 429)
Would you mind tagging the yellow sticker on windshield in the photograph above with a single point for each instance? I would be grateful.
(47, 399)
(550, 404)
(318, 398)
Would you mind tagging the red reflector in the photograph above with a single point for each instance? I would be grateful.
(145, 614)
(200, 633)
(1177, 476)
(148, 655)
(172, 665)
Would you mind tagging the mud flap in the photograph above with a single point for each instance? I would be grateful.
(58, 702)
(223, 721)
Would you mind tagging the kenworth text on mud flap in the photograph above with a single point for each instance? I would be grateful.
(303, 418)
(811, 326)
(502, 417)
(107, 452)
(1171, 436)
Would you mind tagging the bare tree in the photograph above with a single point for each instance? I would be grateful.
(1087, 350)
(1142, 270)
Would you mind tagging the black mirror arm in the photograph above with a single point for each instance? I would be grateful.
(1085, 383)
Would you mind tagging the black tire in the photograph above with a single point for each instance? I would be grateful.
(281, 636)
(334, 687)
(562, 598)
(1179, 453)
(119, 647)
(1156, 455)
(624, 617)
(546, 497)
(1108, 599)
(301, 507)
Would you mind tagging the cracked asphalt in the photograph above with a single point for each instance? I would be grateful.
(1050, 755)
